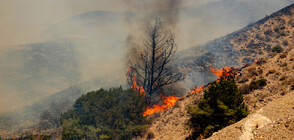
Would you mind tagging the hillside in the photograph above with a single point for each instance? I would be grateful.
(60, 67)
(271, 107)
(243, 46)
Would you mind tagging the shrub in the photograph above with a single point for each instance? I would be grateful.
(285, 43)
(252, 71)
(277, 49)
(150, 135)
(222, 105)
(284, 64)
(271, 71)
(276, 29)
(283, 55)
(283, 78)
(245, 89)
(257, 84)
(105, 114)
(268, 32)
(268, 39)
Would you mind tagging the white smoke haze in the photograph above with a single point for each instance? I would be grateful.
(47, 46)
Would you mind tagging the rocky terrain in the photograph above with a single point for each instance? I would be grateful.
(243, 46)
(271, 107)
(172, 124)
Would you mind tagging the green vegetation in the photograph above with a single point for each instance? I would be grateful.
(105, 114)
(34, 137)
(222, 105)
(277, 49)
(257, 84)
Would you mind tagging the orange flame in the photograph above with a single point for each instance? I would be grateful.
(137, 88)
(168, 101)
(226, 71)
(197, 90)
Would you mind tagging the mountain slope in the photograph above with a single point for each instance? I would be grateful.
(243, 46)
(271, 107)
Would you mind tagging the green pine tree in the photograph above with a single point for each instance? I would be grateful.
(221, 106)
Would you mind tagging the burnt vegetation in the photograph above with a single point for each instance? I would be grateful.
(154, 67)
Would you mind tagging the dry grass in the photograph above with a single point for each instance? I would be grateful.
(252, 71)
(283, 77)
(283, 55)
(284, 64)
(242, 79)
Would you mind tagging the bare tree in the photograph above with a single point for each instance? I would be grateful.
(154, 67)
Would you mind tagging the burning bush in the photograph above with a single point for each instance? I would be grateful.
(222, 105)
(106, 114)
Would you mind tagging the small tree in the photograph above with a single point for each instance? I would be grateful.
(222, 105)
(154, 68)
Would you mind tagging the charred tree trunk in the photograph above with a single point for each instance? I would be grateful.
(154, 67)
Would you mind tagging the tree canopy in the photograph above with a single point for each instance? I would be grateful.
(105, 114)
(222, 105)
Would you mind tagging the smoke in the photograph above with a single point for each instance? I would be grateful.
(168, 11)
(98, 40)
(50, 45)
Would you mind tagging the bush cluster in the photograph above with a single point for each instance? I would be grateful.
(221, 106)
(257, 84)
(105, 114)
(277, 49)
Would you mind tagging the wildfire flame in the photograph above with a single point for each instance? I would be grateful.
(197, 90)
(136, 87)
(224, 72)
(168, 101)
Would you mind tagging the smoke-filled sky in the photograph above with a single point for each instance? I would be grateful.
(22, 21)
(93, 42)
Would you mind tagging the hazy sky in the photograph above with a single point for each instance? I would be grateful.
(21, 21)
